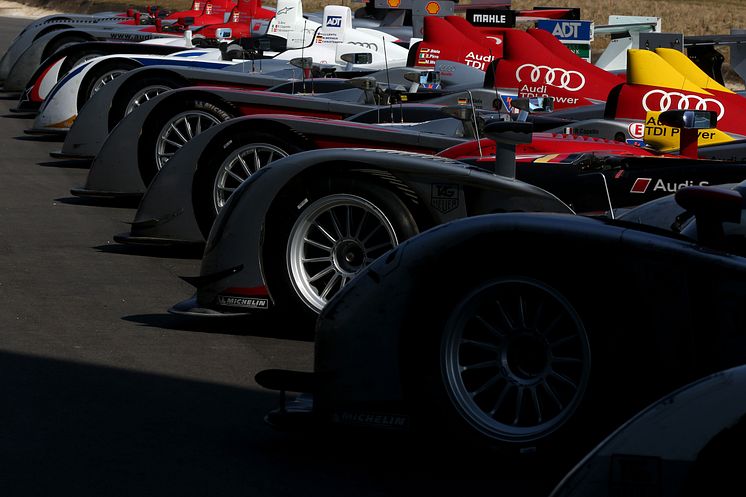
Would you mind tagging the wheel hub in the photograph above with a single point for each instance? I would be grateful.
(349, 256)
(527, 358)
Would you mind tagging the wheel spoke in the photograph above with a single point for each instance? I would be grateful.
(480, 365)
(572, 360)
(311, 260)
(335, 223)
(348, 228)
(234, 176)
(199, 126)
(482, 345)
(486, 385)
(171, 142)
(225, 189)
(494, 331)
(326, 233)
(257, 162)
(189, 127)
(537, 404)
(329, 286)
(552, 395)
(504, 315)
(244, 165)
(360, 224)
(317, 245)
(518, 406)
(499, 402)
(561, 341)
(521, 312)
(321, 273)
(379, 246)
(173, 127)
(548, 330)
(370, 235)
(564, 379)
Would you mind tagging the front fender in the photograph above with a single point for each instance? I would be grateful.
(441, 189)
(114, 171)
(22, 68)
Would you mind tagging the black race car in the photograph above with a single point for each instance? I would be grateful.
(531, 331)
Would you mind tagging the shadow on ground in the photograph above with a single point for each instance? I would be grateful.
(70, 429)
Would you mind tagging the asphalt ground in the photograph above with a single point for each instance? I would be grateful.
(103, 393)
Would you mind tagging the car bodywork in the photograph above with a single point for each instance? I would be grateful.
(684, 444)
(326, 44)
(435, 190)
(112, 175)
(102, 112)
(512, 289)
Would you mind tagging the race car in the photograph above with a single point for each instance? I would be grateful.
(687, 443)
(163, 125)
(530, 333)
(42, 38)
(327, 44)
(527, 48)
(376, 198)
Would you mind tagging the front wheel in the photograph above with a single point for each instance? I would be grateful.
(229, 164)
(333, 233)
(166, 132)
(514, 360)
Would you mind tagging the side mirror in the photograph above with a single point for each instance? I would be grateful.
(534, 105)
(463, 113)
(689, 119)
(223, 33)
(711, 206)
(509, 132)
(357, 58)
(302, 62)
(186, 21)
(365, 83)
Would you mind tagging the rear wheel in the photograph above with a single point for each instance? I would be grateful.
(225, 168)
(135, 93)
(328, 236)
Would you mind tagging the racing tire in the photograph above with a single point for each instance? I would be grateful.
(133, 95)
(100, 76)
(324, 236)
(170, 129)
(227, 165)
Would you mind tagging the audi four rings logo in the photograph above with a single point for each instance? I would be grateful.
(365, 44)
(553, 76)
(674, 100)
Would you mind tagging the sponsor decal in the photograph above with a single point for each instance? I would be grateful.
(444, 197)
(653, 128)
(636, 130)
(283, 10)
(208, 9)
(130, 36)
(432, 8)
(393, 3)
(498, 40)
(250, 302)
(641, 185)
(371, 419)
(334, 22)
(364, 44)
(661, 100)
(491, 17)
(568, 30)
(479, 61)
(556, 77)
(635, 142)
